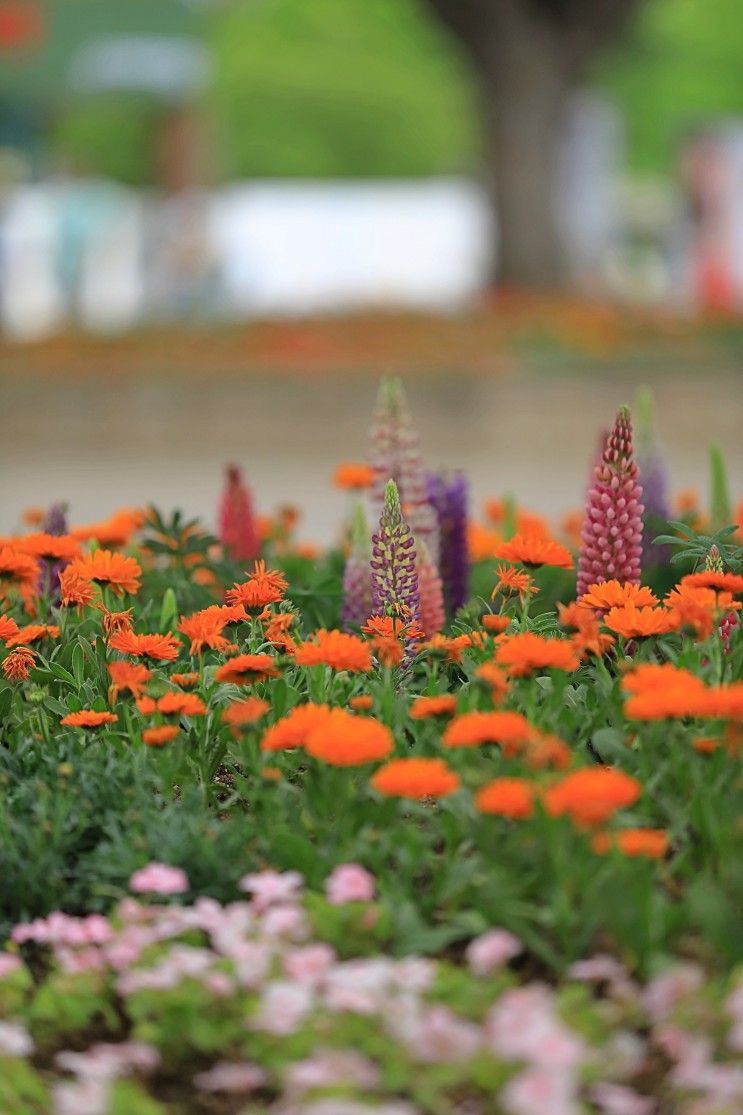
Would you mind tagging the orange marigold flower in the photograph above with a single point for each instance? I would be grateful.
(107, 567)
(510, 580)
(423, 707)
(17, 569)
(659, 692)
(510, 729)
(533, 550)
(32, 633)
(344, 740)
(74, 589)
(388, 650)
(506, 797)
(526, 522)
(353, 476)
(588, 639)
(632, 622)
(204, 629)
(496, 623)
(493, 676)
(362, 703)
(522, 654)
(699, 608)
(88, 718)
(185, 680)
(651, 843)
(146, 705)
(393, 627)
(8, 628)
(335, 649)
(163, 647)
(261, 588)
(247, 711)
(481, 542)
(127, 677)
(615, 594)
(294, 729)
(272, 774)
(276, 630)
(546, 750)
(591, 796)
(116, 621)
(721, 582)
(450, 648)
(50, 547)
(18, 663)
(415, 778)
(181, 704)
(245, 669)
(34, 516)
(114, 531)
(156, 737)
(705, 745)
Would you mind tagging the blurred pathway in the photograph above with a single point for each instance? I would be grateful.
(104, 443)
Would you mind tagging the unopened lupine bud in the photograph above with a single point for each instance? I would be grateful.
(611, 539)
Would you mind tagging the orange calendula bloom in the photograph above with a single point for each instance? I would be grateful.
(345, 740)
(510, 580)
(247, 711)
(590, 796)
(32, 633)
(51, 547)
(415, 778)
(447, 647)
(506, 797)
(185, 680)
(276, 630)
(261, 588)
(353, 476)
(181, 704)
(157, 737)
(107, 567)
(523, 654)
(650, 843)
(632, 622)
(162, 647)
(116, 621)
(335, 649)
(393, 627)
(294, 729)
(705, 745)
(496, 623)
(388, 650)
(509, 729)
(588, 639)
(204, 629)
(660, 692)
(423, 707)
(482, 542)
(526, 522)
(8, 628)
(18, 663)
(545, 750)
(534, 550)
(88, 718)
(244, 669)
(127, 677)
(493, 676)
(616, 594)
(75, 590)
(700, 608)
(720, 582)
(271, 774)
(362, 703)
(117, 530)
(17, 570)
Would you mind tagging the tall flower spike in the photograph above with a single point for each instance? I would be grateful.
(357, 586)
(238, 531)
(55, 522)
(431, 593)
(450, 497)
(611, 540)
(395, 456)
(393, 563)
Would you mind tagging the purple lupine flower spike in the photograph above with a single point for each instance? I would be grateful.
(55, 522)
(611, 541)
(655, 498)
(449, 495)
(357, 586)
(393, 564)
(395, 456)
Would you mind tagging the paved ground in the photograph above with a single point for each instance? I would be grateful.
(103, 442)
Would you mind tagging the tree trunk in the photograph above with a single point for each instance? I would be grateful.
(528, 55)
(523, 88)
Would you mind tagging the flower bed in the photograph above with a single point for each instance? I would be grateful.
(490, 830)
